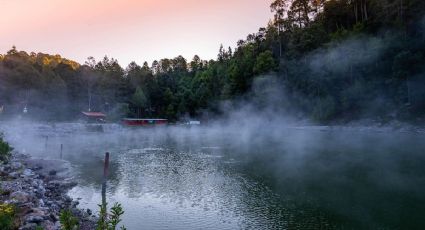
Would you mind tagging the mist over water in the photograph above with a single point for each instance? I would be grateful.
(259, 160)
(257, 174)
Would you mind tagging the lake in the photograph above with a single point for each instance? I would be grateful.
(224, 177)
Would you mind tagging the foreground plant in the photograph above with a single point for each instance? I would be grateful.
(7, 216)
(68, 220)
(109, 221)
(5, 150)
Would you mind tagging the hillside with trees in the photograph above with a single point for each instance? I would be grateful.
(333, 61)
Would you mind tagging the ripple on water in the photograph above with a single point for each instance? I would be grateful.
(186, 191)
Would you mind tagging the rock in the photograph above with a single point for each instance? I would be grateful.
(34, 219)
(39, 198)
(74, 204)
(60, 204)
(3, 174)
(21, 197)
(58, 225)
(37, 212)
(28, 173)
(7, 168)
(14, 175)
(37, 167)
(54, 217)
(62, 184)
(41, 202)
(16, 165)
(29, 226)
(68, 199)
(48, 225)
(54, 183)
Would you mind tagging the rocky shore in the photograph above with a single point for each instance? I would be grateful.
(38, 189)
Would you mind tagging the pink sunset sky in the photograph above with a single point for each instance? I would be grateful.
(129, 30)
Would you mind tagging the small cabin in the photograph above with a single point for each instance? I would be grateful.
(144, 122)
(94, 117)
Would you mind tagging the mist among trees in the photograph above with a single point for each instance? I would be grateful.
(334, 61)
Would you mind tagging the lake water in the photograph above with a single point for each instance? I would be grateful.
(219, 178)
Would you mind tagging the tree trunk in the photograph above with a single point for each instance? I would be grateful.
(365, 10)
(306, 12)
(356, 14)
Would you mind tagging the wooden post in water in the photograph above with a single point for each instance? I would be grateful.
(61, 151)
(45, 143)
(105, 178)
(106, 166)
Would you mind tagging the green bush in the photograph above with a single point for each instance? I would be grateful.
(109, 221)
(5, 150)
(68, 220)
(106, 221)
(7, 216)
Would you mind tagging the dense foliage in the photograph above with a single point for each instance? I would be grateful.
(334, 60)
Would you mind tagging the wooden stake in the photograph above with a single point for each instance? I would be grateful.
(105, 178)
(61, 151)
(106, 166)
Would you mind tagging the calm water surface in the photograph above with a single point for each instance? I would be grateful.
(291, 178)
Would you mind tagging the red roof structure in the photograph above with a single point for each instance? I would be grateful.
(94, 114)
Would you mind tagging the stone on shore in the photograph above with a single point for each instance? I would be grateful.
(38, 188)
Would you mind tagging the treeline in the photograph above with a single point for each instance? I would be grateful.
(333, 60)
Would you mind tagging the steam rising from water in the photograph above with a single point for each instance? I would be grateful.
(258, 166)
(256, 171)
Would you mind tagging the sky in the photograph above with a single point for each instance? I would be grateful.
(129, 30)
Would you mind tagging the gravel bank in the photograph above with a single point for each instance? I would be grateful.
(38, 188)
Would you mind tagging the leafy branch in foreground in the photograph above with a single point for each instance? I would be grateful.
(68, 220)
(109, 221)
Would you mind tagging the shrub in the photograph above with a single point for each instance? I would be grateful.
(68, 220)
(5, 150)
(109, 221)
(7, 216)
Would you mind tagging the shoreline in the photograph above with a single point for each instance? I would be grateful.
(38, 189)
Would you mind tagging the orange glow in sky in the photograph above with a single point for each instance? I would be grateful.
(129, 30)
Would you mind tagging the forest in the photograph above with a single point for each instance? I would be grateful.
(332, 61)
